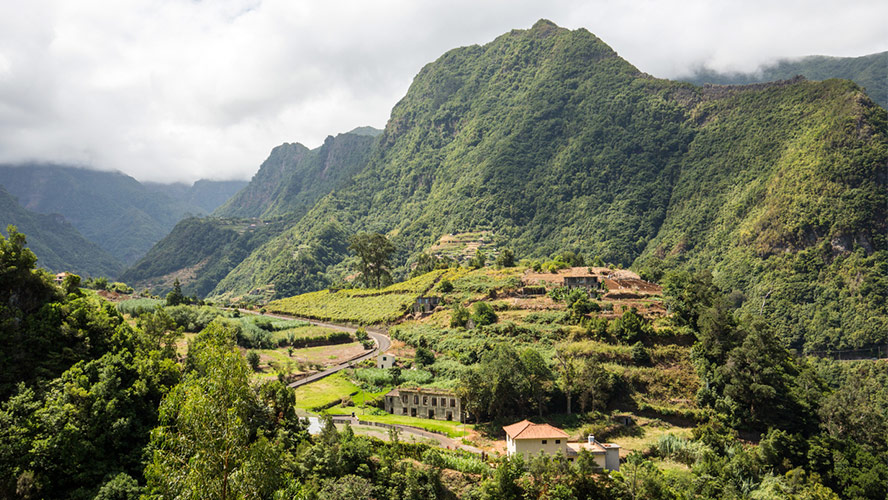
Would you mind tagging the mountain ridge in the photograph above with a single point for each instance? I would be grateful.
(552, 141)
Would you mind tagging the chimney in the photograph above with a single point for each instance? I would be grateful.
(591, 439)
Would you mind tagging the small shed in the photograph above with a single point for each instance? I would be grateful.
(385, 361)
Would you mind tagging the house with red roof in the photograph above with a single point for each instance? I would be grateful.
(528, 439)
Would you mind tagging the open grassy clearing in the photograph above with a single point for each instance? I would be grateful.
(324, 391)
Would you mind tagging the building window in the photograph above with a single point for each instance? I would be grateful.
(452, 403)
(416, 400)
(404, 399)
(557, 441)
(434, 401)
(544, 441)
(404, 410)
(425, 400)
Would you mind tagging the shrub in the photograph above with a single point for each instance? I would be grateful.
(459, 316)
(253, 360)
(446, 286)
(483, 314)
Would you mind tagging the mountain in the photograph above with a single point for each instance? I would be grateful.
(57, 244)
(870, 72)
(111, 209)
(199, 252)
(205, 195)
(294, 177)
(549, 140)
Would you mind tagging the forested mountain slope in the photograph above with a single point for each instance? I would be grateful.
(870, 72)
(552, 141)
(294, 177)
(59, 245)
(111, 209)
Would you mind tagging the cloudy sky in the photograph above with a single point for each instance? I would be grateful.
(176, 90)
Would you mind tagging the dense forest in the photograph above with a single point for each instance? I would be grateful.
(98, 405)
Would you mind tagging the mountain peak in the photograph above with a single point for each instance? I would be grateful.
(544, 27)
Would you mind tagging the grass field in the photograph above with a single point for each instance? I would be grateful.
(324, 391)
(450, 428)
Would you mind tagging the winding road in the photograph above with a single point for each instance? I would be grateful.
(383, 342)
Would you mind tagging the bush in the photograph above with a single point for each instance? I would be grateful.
(483, 314)
(253, 360)
(424, 357)
(446, 286)
(640, 354)
(459, 317)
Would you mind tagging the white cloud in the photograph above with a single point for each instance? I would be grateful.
(173, 90)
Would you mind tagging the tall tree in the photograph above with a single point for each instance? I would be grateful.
(373, 251)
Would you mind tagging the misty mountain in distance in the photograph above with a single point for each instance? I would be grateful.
(111, 209)
(57, 244)
(870, 72)
(207, 195)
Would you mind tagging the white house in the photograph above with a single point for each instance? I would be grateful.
(385, 361)
(529, 439)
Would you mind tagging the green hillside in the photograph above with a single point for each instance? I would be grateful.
(293, 177)
(199, 252)
(59, 246)
(870, 72)
(551, 141)
(111, 209)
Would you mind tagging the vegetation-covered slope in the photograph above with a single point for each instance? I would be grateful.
(870, 72)
(293, 177)
(59, 245)
(199, 252)
(553, 142)
(110, 209)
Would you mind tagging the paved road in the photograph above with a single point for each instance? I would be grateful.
(383, 342)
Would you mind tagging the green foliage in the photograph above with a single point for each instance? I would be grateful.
(175, 297)
(227, 433)
(506, 258)
(459, 316)
(423, 356)
(483, 314)
(380, 378)
(373, 251)
(253, 360)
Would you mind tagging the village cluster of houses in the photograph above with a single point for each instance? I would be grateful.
(524, 438)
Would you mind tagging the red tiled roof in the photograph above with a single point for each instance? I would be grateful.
(529, 430)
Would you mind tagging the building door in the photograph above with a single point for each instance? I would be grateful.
(412, 412)
(449, 415)
(432, 414)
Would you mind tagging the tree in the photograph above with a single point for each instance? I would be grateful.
(176, 297)
(207, 444)
(505, 259)
(538, 376)
(424, 357)
(373, 251)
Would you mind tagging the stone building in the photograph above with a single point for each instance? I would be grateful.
(436, 404)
